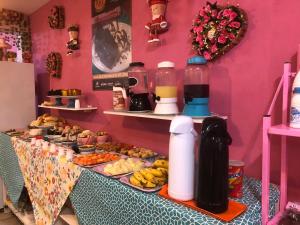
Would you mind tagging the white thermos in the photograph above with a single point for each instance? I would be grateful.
(181, 158)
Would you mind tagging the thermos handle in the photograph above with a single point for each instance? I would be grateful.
(155, 97)
(124, 93)
(194, 132)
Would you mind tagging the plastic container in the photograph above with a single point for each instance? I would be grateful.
(295, 108)
(235, 176)
(138, 88)
(166, 89)
(181, 158)
(166, 80)
(196, 87)
(138, 80)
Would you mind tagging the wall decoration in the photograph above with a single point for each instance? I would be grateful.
(27, 57)
(111, 43)
(56, 19)
(11, 56)
(3, 47)
(158, 23)
(217, 29)
(16, 28)
(73, 43)
(54, 64)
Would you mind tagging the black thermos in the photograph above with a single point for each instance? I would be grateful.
(212, 186)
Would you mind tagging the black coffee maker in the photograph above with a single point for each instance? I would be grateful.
(138, 88)
(212, 180)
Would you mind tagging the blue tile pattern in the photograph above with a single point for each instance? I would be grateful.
(99, 200)
(10, 169)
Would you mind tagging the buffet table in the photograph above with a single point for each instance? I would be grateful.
(97, 199)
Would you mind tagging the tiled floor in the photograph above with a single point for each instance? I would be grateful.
(9, 219)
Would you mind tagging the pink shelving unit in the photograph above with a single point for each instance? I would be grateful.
(282, 130)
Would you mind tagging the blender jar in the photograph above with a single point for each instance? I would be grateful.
(138, 88)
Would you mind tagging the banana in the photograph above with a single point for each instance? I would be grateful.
(149, 185)
(159, 180)
(148, 176)
(139, 177)
(161, 163)
(135, 182)
(156, 172)
(163, 170)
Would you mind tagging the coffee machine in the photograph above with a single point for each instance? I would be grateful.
(166, 89)
(138, 88)
(196, 87)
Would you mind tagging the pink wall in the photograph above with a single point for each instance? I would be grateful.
(242, 81)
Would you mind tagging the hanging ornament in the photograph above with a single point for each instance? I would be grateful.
(57, 18)
(54, 64)
(217, 29)
(73, 43)
(158, 23)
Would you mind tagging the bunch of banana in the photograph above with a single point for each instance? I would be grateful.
(152, 177)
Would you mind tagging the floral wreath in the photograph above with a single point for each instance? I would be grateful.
(217, 29)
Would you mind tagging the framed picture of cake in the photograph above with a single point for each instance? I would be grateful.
(111, 43)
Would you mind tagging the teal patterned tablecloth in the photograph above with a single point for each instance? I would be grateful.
(98, 200)
(10, 169)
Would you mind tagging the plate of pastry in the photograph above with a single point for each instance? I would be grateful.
(121, 167)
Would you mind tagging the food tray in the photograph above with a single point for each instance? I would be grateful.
(125, 180)
(100, 169)
(234, 208)
(96, 164)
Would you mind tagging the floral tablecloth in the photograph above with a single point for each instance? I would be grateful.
(49, 180)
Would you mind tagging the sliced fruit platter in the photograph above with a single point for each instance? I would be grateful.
(149, 179)
(93, 159)
(122, 167)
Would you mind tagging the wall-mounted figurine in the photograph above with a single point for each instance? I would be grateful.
(3, 48)
(158, 23)
(27, 57)
(57, 18)
(11, 56)
(54, 64)
(73, 43)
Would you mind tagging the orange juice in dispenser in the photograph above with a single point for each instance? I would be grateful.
(166, 89)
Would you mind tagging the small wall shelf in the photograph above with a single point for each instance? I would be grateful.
(67, 97)
(84, 109)
(151, 115)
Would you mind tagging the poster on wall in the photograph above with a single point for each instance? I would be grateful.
(111, 43)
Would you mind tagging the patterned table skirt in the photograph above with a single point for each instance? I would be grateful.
(101, 200)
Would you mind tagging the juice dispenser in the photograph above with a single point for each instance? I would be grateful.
(196, 87)
(166, 89)
(138, 88)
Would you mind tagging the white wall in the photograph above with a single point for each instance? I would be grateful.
(17, 95)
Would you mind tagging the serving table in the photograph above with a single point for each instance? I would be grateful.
(97, 199)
